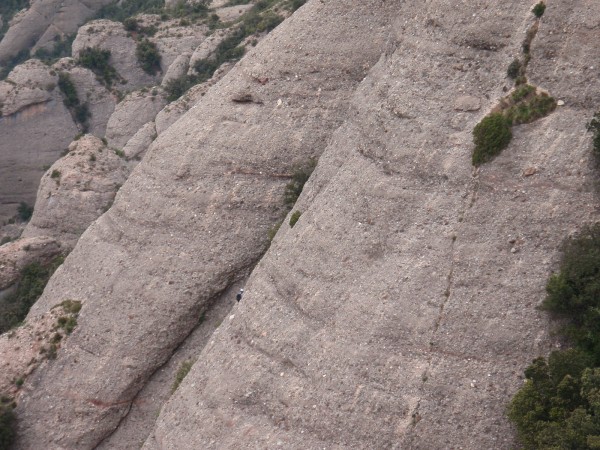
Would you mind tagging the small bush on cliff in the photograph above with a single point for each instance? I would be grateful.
(594, 127)
(34, 277)
(539, 9)
(98, 61)
(184, 369)
(491, 136)
(7, 426)
(559, 405)
(299, 178)
(148, 56)
(574, 292)
(294, 218)
(24, 211)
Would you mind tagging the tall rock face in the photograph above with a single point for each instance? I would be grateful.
(31, 114)
(400, 309)
(43, 21)
(193, 215)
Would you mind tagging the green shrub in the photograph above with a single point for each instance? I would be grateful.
(7, 426)
(62, 47)
(24, 211)
(299, 178)
(293, 5)
(491, 136)
(34, 277)
(559, 405)
(514, 69)
(130, 24)
(534, 108)
(184, 369)
(121, 10)
(594, 127)
(175, 88)
(574, 292)
(66, 86)
(294, 218)
(538, 10)
(98, 61)
(55, 174)
(148, 56)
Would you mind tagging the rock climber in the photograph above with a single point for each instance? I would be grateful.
(238, 297)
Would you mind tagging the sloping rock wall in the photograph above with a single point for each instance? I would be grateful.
(194, 214)
(399, 312)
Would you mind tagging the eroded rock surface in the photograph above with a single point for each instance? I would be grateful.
(193, 215)
(43, 21)
(35, 128)
(400, 310)
(76, 190)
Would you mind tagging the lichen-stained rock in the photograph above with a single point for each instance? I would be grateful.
(43, 21)
(135, 110)
(109, 35)
(35, 127)
(400, 311)
(194, 213)
(76, 190)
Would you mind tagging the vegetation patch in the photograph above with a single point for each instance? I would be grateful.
(493, 133)
(294, 218)
(79, 111)
(539, 9)
(559, 404)
(98, 61)
(490, 136)
(61, 48)
(299, 178)
(34, 277)
(184, 369)
(8, 8)
(148, 56)
(24, 212)
(7, 423)
(594, 127)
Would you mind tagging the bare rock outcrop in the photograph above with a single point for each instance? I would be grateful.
(135, 110)
(194, 214)
(76, 190)
(400, 310)
(140, 142)
(35, 127)
(43, 21)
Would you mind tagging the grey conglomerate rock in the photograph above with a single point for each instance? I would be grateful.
(194, 214)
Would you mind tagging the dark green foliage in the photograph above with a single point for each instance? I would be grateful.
(66, 86)
(574, 292)
(293, 5)
(594, 127)
(8, 8)
(7, 425)
(24, 211)
(491, 136)
(130, 24)
(97, 60)
(148, 56)
(55, 174)
(189, 11)
(119, 11)
(67, 323)
(82, 114)
(62, 47)
(175, 88)
(538, 10)
(294, 218)
(14, 307)
(536, 107)
(299, 178)
(9, 65)
(559, 406)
